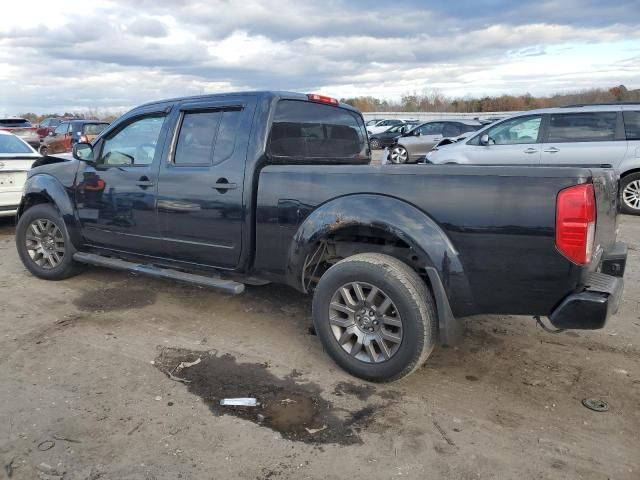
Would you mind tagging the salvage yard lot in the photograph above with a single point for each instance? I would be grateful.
(85, 391)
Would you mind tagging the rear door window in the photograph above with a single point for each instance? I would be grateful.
(582, 127)
(207, 138)
(632, 125)
(305, 130)
(451, 130)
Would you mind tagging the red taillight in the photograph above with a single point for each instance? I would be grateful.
(314, 97)
(576, 223)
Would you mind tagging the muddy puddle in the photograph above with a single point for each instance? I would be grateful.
(289, 406)
(112, 299)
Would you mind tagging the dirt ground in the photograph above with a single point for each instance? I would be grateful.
(112, 376)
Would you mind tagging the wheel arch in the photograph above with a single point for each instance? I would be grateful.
(376, 223)
(44, 188)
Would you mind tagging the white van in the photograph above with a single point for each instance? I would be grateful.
(582, 134)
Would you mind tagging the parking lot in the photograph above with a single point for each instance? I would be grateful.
(92, 388)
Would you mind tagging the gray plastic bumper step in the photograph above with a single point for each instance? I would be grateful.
(227, 286)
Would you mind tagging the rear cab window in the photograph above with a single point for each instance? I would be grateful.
(308, 131)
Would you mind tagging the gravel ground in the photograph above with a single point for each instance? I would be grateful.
(112, 376)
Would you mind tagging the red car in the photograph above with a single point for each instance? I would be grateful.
(48, 125)
(22, 128)
(61, 140)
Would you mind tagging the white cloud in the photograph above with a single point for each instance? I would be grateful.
(116, 54)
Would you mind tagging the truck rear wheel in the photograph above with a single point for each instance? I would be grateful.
(44, 245)
(375, 317)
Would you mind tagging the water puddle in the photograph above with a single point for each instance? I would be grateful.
(295, 409)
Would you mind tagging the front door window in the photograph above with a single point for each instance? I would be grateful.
(133, 145)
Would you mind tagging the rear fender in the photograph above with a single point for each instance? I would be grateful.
(434, 250)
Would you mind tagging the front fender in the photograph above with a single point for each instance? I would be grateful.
(402, 220)
(45, 187)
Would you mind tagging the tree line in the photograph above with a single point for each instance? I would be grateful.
(430, 101)
(434, 101)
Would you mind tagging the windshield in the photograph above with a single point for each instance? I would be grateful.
(11, 144)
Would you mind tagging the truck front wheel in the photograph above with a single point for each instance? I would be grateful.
(44, 245)
(375, 317)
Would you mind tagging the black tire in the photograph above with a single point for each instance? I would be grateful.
(411, 298)
(629, 191)
(375, 144)
(67, 266)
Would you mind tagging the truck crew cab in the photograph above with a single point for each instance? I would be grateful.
(247, 188)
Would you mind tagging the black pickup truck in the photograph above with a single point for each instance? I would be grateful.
(249, 188)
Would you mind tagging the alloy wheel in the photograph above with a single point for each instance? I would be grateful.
(631, 195)
(365, 322)
(399, 155)
(45, 243)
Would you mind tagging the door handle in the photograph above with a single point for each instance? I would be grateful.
(531, 150)
(144, 182)
(222, 185)
(552, 150)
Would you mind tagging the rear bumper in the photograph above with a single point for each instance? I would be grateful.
(598, 298)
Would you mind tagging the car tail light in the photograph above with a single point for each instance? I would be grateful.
(576, 223)
(314, 97)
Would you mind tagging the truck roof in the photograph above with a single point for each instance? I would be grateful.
(259, 93)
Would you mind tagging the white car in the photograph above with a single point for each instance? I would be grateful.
(16, 158)
(383, 125)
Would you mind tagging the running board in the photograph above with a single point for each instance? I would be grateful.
(227, 286)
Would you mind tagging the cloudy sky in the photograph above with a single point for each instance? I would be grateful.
(112, 54)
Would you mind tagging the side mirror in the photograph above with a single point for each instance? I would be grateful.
(417, 133)
(83, 152)
(484, 139)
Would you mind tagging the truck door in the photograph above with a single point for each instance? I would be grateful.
(116, 196)
(200, 190)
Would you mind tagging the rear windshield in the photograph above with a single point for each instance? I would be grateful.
(11, 144)
(93, 128)
(306, 130)
(15, 122)
(632, 125)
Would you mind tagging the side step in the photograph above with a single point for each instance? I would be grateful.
(227, 286)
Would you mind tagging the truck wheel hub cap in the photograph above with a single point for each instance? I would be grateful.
(45, 243)
(365, 322)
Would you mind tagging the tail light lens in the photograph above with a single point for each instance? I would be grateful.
(576, 223)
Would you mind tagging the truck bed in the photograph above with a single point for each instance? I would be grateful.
(500, 220)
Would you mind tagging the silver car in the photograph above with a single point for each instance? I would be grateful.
(414, 144)
(583, 134)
